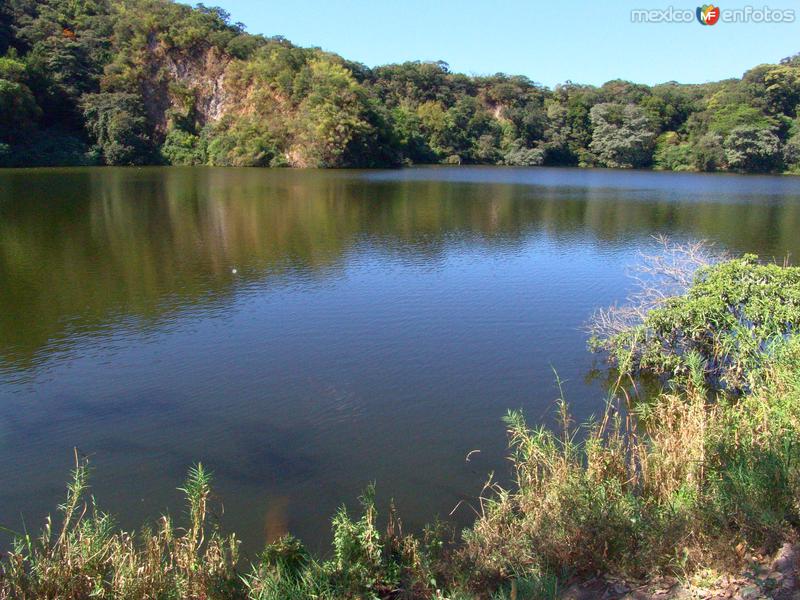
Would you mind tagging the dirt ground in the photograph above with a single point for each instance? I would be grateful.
(775, 577)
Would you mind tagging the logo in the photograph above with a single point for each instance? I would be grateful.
(708, 14)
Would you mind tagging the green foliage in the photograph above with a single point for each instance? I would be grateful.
(729, 117)
(207, 92)
(730, 319)
(241, 143)
(357, 547)
(671, 105)
(117, 125)
(622, 135)
(782, 89)
(791, 150)
(752, 148)
(672, 154)
(6, 32)
(365, 563)
(18, 110)
(708, 152)
(51, 148)
(519, 156)
(287, 557)
(66, 44)
(183, 148)
(568, 130)
(12, 69)
(333, 116)
(411, 138)
(433, 118)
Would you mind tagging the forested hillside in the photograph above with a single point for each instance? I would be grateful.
(131, 82)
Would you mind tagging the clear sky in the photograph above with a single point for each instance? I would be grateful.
(586, 41)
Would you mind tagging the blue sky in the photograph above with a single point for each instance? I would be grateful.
(586, 41)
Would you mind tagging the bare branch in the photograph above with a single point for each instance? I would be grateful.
(663, 273)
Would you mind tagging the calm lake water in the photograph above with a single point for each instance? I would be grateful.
(306, 332)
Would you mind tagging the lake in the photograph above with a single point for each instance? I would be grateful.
(303, 333)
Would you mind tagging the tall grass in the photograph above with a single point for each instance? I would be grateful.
(674, 488)
(88, 557)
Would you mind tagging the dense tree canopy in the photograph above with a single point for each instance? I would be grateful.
(622, 135)
(154, 81)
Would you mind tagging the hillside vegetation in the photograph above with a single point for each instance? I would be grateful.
(131, 82)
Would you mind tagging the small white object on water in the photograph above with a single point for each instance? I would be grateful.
(234, 271)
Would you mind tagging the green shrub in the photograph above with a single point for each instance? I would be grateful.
(524, 157)
(241, 143)
(673, 155)
(183, 148)
(731, 318)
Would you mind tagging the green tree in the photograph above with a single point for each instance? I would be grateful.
(622, 136)
(708, 153)
(471, 133)
(332, 116)
(752, 148)
(672, 153)
(569, 129)
(782, 89)
(160, 81)
(518, 155)
(68, 43)
(433, 118)
(18, 108)
(117, 124)
(241, 143)
(411, 138)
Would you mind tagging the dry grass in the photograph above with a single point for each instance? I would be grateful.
(661, 491)
(88, 557)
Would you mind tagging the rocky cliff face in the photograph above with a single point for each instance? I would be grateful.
(177, 80)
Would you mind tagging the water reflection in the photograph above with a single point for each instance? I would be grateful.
(79, 248)
(376, 328)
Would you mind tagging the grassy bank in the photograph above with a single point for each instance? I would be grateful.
(696, 476)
